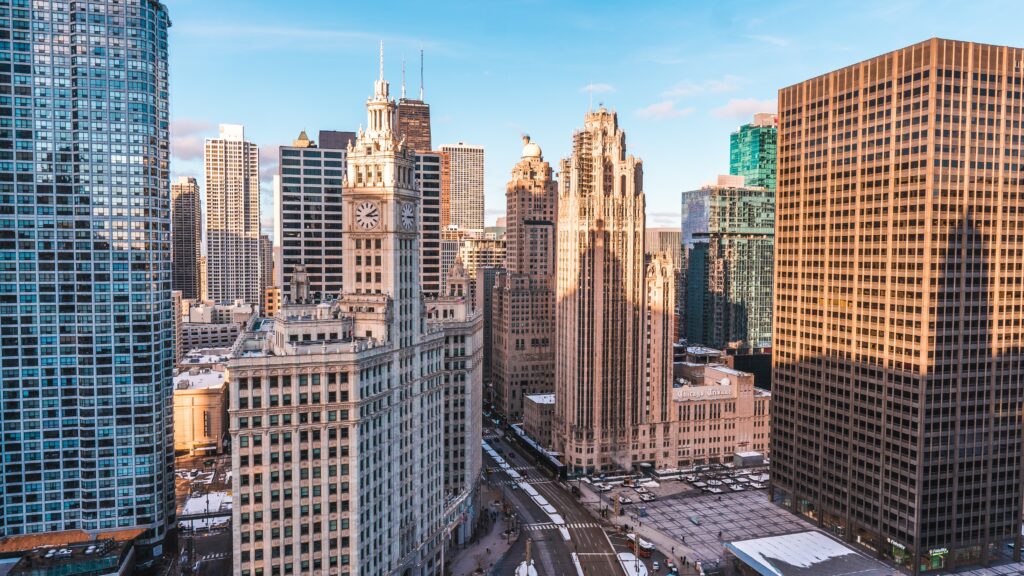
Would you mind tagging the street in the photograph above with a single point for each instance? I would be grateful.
(551, 552)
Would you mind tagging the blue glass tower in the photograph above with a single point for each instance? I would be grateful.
(86, 326)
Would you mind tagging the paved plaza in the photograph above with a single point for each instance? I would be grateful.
(696, 520)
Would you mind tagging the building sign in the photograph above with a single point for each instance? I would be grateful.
(698, 393)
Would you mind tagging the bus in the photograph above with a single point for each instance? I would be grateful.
(645, 548)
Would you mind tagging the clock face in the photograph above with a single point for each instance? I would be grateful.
(367, 215)
(408, 216)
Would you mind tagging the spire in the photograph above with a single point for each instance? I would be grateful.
(421, 74)
(403, 78)
(381, 60)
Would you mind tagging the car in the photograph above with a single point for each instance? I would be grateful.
(641, 490)
(647, 497)
(625, 500)
(655, 565)
(603, 487)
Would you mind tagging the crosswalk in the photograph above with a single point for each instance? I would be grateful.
(218, 556)
(552, 526)
(532, 481)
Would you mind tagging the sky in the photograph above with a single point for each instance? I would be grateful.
(681, 74)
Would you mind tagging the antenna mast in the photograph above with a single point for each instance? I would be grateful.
(421, 74)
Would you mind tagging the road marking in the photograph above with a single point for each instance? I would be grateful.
(553, 526)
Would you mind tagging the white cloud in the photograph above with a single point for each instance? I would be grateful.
(773, 40)
(664, 109)
(686, 88)
(744, 108)
(597, 88)
(663, 220)
(187, 135)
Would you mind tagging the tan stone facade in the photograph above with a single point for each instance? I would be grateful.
(200, 410)
(356, 449)
(899, 263)
(524, 293)
(600, 384)
(713, 413)
(538, 411)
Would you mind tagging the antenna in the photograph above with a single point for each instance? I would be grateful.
(403, 78)
(382, 60)
(421, 74)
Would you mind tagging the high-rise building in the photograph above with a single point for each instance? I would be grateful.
(186, 236)
(451, 247)
(479, 252)
(898, 311)
(665, 240)
(267, 265)
(233, 264)
(85, 272)
(370, 456)
(600, 380)
(203, 284)
(308, 223)
(414, 117)
(524, 293)
(753, 149)
(729, 232)
(453, 313)
(429, 166)
(466, 207)
(669, 240)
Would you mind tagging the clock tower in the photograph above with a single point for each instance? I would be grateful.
(380, 231)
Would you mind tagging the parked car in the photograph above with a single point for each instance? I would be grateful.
(641, 490)
(647, 498)
(603, 487)
(655, 565)
(625, 500)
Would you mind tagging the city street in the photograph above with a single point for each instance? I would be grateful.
(551, 552)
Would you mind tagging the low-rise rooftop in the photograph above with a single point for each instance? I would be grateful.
(542, 398)
(198, 379)
(810, 553)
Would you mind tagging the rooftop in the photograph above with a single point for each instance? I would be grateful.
(702, 351)
(199, 379)
(28, 542)
(808, 553)
(206, 356)
(542, 398)
(91, 557)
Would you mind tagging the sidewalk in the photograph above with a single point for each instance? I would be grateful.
(489, 547)
(665, 544)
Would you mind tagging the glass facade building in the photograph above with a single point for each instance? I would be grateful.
(728, 234)
(86, 326)
(753, 151)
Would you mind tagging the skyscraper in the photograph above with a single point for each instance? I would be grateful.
(414, 117)
(729, 230)
(669, 240)
(186, 236)
(373, 453)
(429, 166)
(753, 150)
(466, 208)
(600, 378)
(524, 293)
(233, 263)
(266, 266)
(85, 272)
(897, 341)
(308, 223)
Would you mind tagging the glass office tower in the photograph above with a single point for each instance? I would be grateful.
(86, 326)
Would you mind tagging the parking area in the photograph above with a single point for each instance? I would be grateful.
(703, 521)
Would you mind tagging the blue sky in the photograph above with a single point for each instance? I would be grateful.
(681, 74)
